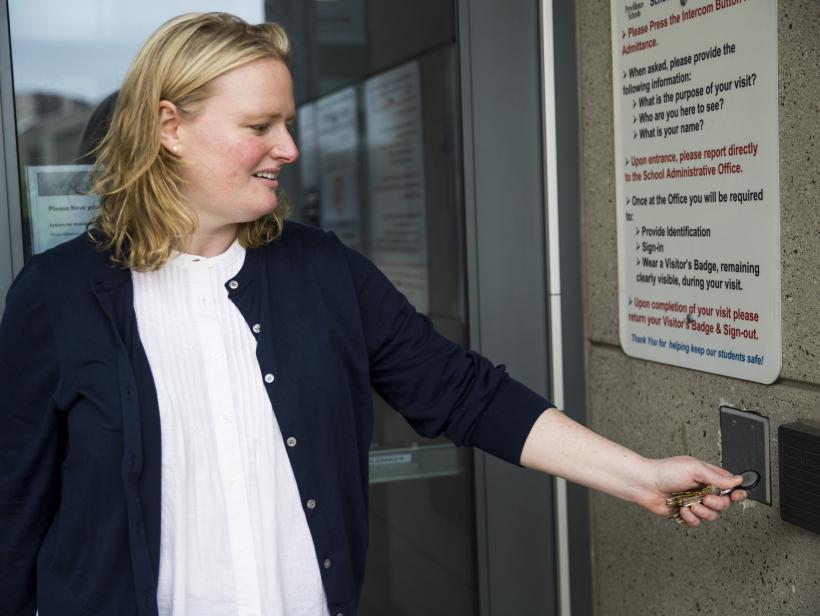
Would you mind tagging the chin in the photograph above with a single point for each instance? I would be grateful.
(261, 210)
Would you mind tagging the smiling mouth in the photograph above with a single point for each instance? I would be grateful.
(266, 175)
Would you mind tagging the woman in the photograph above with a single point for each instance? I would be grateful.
(186, 408)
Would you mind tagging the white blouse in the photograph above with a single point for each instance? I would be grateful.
(234, 538)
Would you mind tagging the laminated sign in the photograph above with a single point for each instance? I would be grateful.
(338, 127)
(58, 204)
(395, 156)
(696, 163)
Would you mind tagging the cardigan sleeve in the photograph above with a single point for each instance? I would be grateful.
(30, 438)
(439, 387)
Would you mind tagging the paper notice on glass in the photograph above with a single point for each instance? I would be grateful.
(339, 165)
(58, 207)
(698, 198)
(398, 224)
(308, 146)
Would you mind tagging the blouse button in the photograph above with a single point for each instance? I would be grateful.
(268, 378)
(256, 328)
(291, 442)
(233, 284)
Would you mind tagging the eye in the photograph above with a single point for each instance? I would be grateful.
(260, 129)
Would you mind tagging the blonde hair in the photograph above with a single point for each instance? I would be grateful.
(143, 216)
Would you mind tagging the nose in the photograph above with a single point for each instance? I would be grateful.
(285, 150)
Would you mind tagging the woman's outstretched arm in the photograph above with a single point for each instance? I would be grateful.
(560, 446)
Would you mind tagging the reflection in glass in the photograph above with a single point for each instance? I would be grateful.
(377, 82)
(337, 120)
(67, 57)
(395, 157)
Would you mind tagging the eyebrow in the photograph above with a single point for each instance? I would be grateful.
(289, 117)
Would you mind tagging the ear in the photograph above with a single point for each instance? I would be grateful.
(169, 124)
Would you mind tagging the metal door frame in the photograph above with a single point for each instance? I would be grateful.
(11, 230)
(523, 277)
(506, 280)
(567, 343)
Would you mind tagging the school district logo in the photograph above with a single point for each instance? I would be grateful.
(633, 10)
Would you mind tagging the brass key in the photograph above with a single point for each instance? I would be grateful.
(679, 500)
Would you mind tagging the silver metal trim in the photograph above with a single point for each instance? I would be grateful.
(553, 257)
(11, 230)
(471, 265)
(425, 462)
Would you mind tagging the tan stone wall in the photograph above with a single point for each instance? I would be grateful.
(750, 562)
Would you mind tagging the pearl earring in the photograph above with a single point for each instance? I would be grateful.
(175, 148)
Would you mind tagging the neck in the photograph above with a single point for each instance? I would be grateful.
(211, 243)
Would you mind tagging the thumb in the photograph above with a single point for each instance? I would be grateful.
(716, 476)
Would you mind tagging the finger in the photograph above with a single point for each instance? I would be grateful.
(738, 496)
(689, 518)
(717, 503)
(704, 513)
(719, 470)
(716, 476)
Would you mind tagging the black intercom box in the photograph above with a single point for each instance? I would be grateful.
(799, 456)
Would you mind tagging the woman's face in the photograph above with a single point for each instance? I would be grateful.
(235, 143)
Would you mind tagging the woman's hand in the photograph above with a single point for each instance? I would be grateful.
(559, 446)
(681, 473)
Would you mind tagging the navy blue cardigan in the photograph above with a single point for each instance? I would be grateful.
(80, 429)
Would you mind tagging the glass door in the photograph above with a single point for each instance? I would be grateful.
(377, 89)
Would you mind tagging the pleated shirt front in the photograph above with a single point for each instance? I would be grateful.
(234, 538)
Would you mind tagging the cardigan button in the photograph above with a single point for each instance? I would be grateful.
(269, 378)
(291, 441)
(256, 328)
(311, 504)
(233, 284)
(327, 563)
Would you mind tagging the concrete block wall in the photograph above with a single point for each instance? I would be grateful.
(750, 562)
